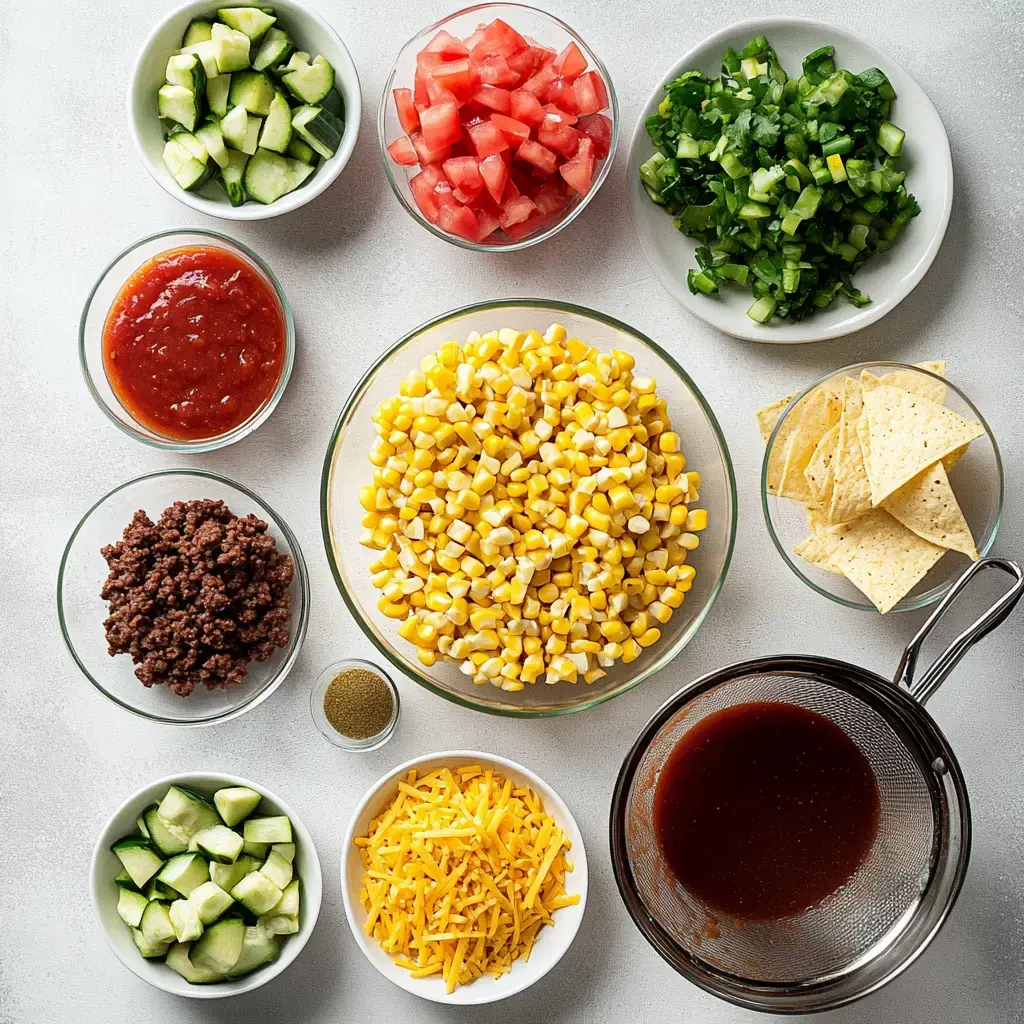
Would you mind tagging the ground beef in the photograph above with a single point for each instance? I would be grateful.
(197, 596)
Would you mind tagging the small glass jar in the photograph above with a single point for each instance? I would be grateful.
(320, 720)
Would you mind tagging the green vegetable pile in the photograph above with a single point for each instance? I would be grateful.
(791, 184)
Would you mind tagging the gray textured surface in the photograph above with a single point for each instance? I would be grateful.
(359, 273)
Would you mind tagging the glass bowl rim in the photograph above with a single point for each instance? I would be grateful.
(866, 606)
(599, 180)
(413, 672)
(298, 634)
(257, 418)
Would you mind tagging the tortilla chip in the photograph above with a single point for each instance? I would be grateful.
(851, 492)
(881, 557)
(818, 553)
(817, 414)
(928, 506)
(818, 473)
(918, 383)
(907, 433)
(769, 416)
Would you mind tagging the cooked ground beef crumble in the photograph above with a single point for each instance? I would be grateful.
(197, 596)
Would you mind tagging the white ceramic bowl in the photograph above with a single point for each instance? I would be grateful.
(310, 33)
(552, 942)
(889, 278)
(105, 867)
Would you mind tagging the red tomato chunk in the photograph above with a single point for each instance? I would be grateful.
(402, 152)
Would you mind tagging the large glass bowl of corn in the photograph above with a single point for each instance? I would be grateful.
(528, 507)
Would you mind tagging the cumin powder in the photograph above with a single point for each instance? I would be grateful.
(358, 703)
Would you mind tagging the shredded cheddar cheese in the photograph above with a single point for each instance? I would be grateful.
(461, 871)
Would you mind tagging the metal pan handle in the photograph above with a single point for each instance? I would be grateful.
(933, 677)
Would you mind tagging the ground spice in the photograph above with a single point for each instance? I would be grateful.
(358, 703)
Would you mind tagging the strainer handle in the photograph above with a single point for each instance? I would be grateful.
(921, 689)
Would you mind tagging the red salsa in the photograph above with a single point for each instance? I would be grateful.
(194, 343)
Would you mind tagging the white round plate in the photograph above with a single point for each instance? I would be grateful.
(888, 278)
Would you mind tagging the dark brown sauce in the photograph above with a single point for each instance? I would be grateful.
(763, 810)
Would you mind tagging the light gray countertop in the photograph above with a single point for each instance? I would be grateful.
(359, 274)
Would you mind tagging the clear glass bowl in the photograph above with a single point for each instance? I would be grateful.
(977, 480)
(346, 468)
(324, 727)
(545, 29)
(94, 316)
(82, 612)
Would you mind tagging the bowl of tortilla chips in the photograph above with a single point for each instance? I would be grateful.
(879, 483)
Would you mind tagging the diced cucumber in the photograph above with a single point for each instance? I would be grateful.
(233, 127)
(334, 104)
(232, 178)
(219, 947)
(140, 821)
(288, 904)
(217, 90)
(311, 83)
(156, 924)
(232, 48)
(251, 20)
(198, 31)
(319, 128)
(278, 924)
(259, 947)
(186, 69)
(296, 62)
(185, 813)
(301, 151)
(193, 144)
(139, 858)
(259, 851)
(206, 51)
(235, 803)
(123, 879)
(149, 950)
(252, 90)
(277, 129)
(157, 890)
(276, 829)
(185, 918)
(274, 50)
(286, 850)
(210, 900)
(164, 840)
(130, 906)
(185, 872)
(209, 134)
(218, 843)
(257, 893)
(227, 876)
(176, 103)
(277, 869)
(178, 960)
(186, 170)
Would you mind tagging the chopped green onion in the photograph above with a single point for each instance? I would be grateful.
(762, 310)
(890, 138)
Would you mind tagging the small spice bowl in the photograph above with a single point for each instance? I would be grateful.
(323, 724)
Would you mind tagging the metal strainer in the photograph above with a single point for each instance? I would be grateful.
(872, 928)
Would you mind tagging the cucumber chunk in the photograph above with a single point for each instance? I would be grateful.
(193, 144)
(277, 129)
(252, 90)
(157, 890)
(319, 128)
(288, 905)
(140, 821)
(124, 880)
(206, 51)
(232, 178)
(311, 83)
(287, 850)
(186, 70)
(283, 918)
(139, 858)
(296, 62)
(185, 918)
(156, 924)
(233, 126)
(220, 946)
(257, 893)
(185, 872)
(176, 103)
(210, 900)
(259, 947)
(258, 850)
(250, 20)
(185, 813)
(198, 31)
(130, 906)
(274, 50)
(150, 950)
(218, 843)
(217, 90)
(266, 180)
(278, 924)
(178, 960)
(278, 869)
(235, 803)
(300, 151)
(209, 134)
(227, 876)
(232, 49)
(186, 170)
(276, 829)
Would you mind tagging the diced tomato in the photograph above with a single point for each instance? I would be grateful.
(473, 40)
(457, 76)
(550, 197)
(494, 173)
(526, 107)
(402, 152)
(420, 97)
(591, 94)
(515, 211)
(512, 189)
(440, 125)
(499, 38)
(495, 71)
(407, 114)
(562, 94)
(447, 45)
(425, 60)
(486, 225)
(464, 173)
(425, 153)
(541, 81)
(537, 155)
(437, 93)
(444, 194)
(458, 220)
(571, 63)
(579, 171)
(422, 188)
(514, 131)
(494, 98)
(527, 227)
(599, 129)
(567, 116)
(542, 54)
(557, 135)
(523, 63)
(487, 138)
